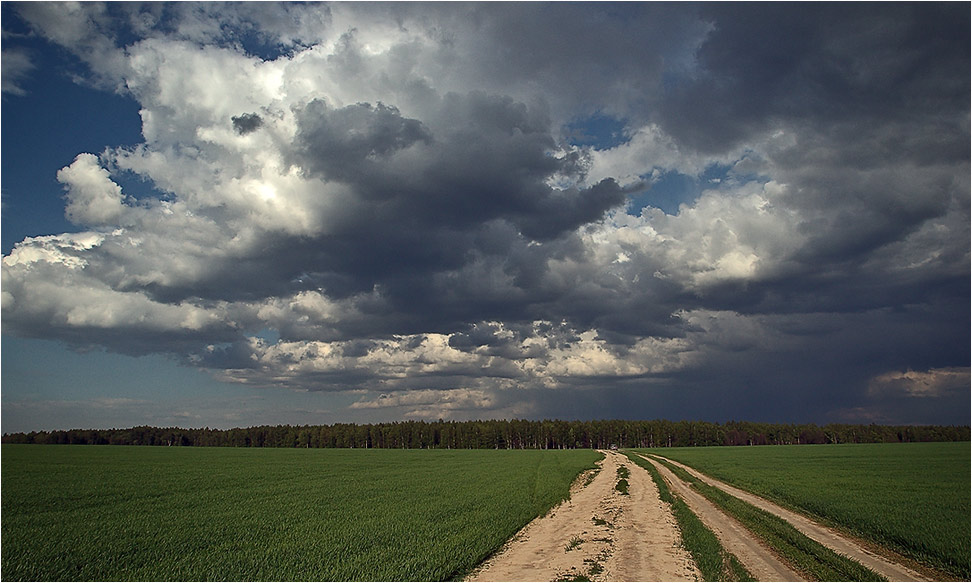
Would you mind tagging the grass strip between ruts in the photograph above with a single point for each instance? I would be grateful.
(804, 554)
(714, 561)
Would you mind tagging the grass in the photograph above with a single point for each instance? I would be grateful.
(622, 486)
(911, 497)
(141, 513)
(714, 562)
(807, 556)
(574, 542)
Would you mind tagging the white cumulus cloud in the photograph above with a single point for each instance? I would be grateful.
(92, 197)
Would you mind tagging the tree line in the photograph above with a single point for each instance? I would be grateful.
(503, 434)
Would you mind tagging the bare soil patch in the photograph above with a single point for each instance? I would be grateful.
(824, 535)
(600, 534)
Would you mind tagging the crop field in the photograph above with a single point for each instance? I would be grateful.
(911, 497)
(155, 513)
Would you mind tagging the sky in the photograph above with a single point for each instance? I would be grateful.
(225, 215)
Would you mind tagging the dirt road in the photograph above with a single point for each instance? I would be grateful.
(604, 535)
(599, 533)
(735, 538)
(823, 535)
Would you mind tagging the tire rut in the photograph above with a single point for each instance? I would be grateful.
(761, 562)
(826, 536)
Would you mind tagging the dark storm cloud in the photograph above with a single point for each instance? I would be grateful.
(471, 181)
(246, 123)
(876, 101)
(822, 64)
(826, 375)
(484, 158)
(353, 143)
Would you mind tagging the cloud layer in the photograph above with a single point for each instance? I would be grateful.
(386, 197)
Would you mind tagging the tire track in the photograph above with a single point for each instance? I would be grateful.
(828, 537)
(735, 538)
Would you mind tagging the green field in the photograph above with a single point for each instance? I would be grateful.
(911, 497)
(156, 513)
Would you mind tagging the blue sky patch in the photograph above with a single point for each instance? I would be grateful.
(673, 188)
(598, 131)
(54, 122)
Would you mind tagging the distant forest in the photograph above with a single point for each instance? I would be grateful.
(515, 434)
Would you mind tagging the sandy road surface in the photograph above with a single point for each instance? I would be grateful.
(735, 538)
(826, 536)
(598, 533)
